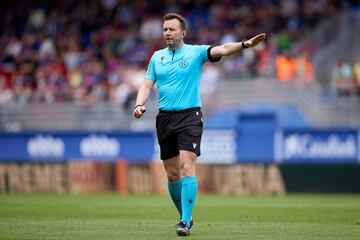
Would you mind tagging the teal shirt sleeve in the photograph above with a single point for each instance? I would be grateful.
(203, 52)
(150, 73)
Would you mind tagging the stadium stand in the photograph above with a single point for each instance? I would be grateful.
(62, 63)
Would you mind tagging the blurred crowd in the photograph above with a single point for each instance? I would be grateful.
(97, 50)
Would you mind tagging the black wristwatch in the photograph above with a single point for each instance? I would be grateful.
(138, 105)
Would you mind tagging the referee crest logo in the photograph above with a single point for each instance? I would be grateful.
(183, 64)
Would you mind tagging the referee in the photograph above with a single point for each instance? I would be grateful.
(177, 70)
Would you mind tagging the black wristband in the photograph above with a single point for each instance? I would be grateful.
(137, 106)
(243, 44)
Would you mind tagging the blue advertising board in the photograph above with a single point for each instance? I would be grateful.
(52, 146)
(317, 146)
(252, 145)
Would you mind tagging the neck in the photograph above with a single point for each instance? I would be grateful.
(174, 47)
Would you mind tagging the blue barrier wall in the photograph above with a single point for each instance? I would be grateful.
(286, 117)
(55, 146)
(255, 137)
(256, 140)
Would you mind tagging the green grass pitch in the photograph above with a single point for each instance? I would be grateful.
(110, 216)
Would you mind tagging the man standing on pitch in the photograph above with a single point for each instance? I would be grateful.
(179, 124)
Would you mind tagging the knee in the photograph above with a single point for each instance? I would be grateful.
(173, 176)
(187, 169)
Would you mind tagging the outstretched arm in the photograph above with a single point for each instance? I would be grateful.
(232, 48)
(142, 97)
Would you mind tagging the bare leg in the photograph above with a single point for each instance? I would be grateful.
(172, 168)
(187, 163)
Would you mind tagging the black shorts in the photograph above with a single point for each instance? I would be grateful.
(179, 130)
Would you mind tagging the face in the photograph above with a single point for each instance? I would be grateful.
(172, 32)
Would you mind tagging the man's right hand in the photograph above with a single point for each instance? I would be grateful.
(139, 111)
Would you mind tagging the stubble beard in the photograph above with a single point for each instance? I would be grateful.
(174, 44)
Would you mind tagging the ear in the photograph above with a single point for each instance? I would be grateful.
(184, 33)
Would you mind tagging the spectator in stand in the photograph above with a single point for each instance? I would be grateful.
(285, 67)
(341, 78)
(151, 28)
(357, 76)
(208, 84)
(6, 95)
(284, 41)
(134, 77)
(304, 71)
(267, 53)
